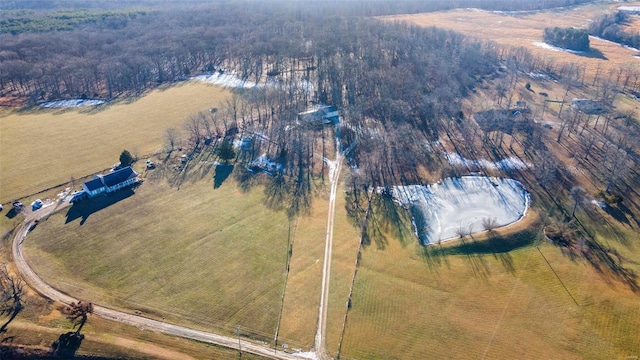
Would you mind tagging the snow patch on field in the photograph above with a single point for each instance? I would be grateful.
(226, 79)
(539, 76)
(441, 211)
(510, 163)
(555, 48)
(306, 355)
(629, 8)
(72, 103)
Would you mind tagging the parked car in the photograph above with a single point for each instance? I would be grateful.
(36, 205)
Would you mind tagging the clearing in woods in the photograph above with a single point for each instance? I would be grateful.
(41, 148)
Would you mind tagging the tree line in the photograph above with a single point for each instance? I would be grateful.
(611, 27)
(567, 38)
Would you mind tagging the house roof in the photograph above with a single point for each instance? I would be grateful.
(119, 176)
(93, 184)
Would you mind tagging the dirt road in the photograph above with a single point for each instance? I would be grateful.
(334, 176)
(141, 322)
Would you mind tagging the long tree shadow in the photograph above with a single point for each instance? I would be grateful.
(495, 244)
(13, 312)
(276, 193)
(498, 246)
(245, 178)
(386, 217)
(221, 174)
(84, 209)
(67, 345)
(609, 263)
(592, 53)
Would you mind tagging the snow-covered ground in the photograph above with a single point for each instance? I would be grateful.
(441, 211)
(71, 103)
(555, 48)
(629, 8)
(226, 79)
(230, 80)
(510, 163)
(540, 76)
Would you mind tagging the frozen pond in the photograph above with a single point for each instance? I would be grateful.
(460, 205)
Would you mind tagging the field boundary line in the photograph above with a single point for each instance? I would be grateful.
(353, 281)
(504, 310)
(286, 278)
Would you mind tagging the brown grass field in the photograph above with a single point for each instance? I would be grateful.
(477, 304)
(43, 148)
(525, 29)
(302, 295)
(210, 258)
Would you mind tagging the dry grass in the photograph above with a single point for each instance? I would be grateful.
(210, 258)
(302, 296)
(524, 29)
(346, 238)
(499, 305)
(111, 340)
(43, 148)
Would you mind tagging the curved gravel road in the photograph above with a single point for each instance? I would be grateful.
(141, 322)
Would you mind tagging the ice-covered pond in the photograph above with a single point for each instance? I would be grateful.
(453, 206)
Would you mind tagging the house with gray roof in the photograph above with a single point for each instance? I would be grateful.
(110, 182)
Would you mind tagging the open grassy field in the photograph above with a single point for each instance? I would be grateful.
(211, 258)
(525, 29)
(302, 296)
(346, 238)
(467, 301)
(42, 148)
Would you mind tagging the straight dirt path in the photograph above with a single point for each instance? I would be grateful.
(36, 283)
(334, 175)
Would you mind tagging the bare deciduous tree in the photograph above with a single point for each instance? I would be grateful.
(489, 223)
(11, 293)
(577, 194)
(77, 313)
(172, 137)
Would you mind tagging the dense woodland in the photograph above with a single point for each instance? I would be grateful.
(400, 87)
(353, 7)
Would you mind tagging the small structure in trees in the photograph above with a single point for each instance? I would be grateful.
(506, 120)
(587, 106)
(320, 114)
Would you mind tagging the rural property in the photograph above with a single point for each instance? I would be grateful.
(282, 179)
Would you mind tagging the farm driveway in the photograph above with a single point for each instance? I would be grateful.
(31, 218)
